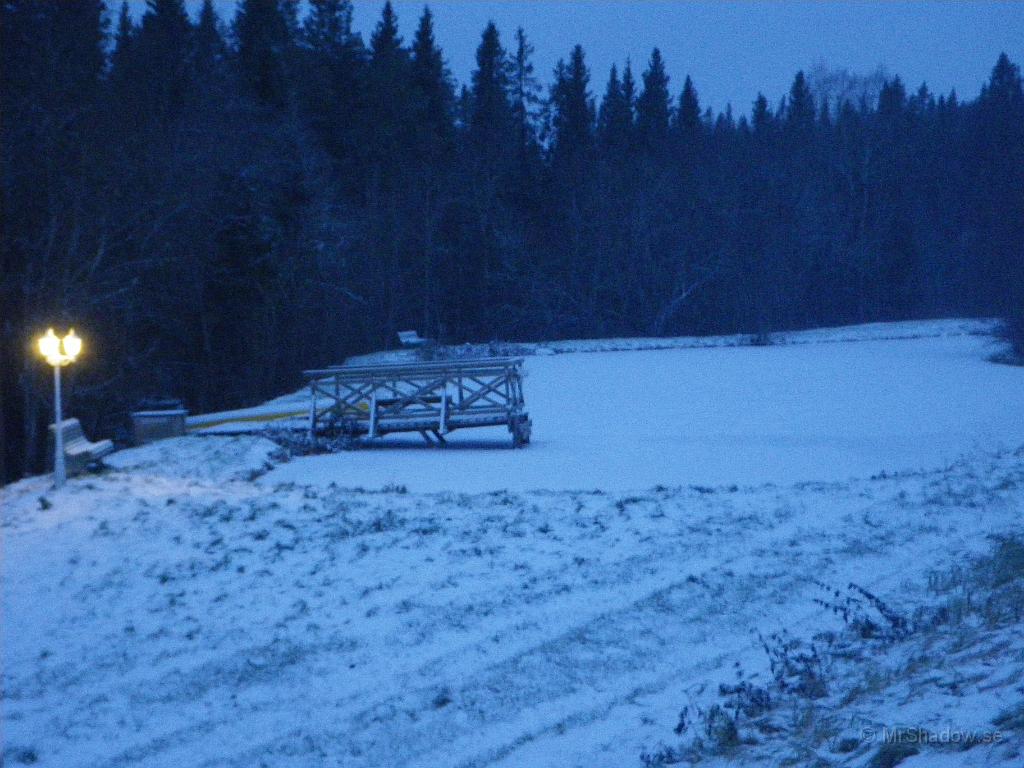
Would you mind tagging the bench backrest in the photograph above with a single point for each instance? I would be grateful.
(71, 428)
(410, 339)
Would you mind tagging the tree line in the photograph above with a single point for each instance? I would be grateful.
(217, 204)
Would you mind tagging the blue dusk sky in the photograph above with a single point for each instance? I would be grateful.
(731, 49)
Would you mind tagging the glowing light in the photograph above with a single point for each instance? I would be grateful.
(72, 344)
(49, 346)
(59, 351)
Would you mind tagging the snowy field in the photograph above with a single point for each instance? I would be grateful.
(820, 406)
(687, 519)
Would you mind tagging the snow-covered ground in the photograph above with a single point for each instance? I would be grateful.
(204, 603)
(815, 407)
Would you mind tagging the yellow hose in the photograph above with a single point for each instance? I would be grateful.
(247, 419)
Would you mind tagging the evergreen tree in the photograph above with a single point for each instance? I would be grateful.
(123, 37)
(825, 113)
(52, 58)
(892, 99)
(653, 105)
(265, 37)
(491, 112)
(388, 129)
(573, 118)
(615, 118)
(687, 117)
(799, 111)
(327, 28)
(434, 93)
(525, 96)
(1004, 85)
(385, 42)
(996, 157)
(629, 91)
(922, 101)
(164, 43)
(332, 87)
(209, 43)
(761, 116)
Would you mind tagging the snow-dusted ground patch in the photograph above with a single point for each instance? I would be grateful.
(717, 415)
(198, 458)
(155, 621)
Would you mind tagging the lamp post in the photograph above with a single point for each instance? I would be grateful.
(58, 353)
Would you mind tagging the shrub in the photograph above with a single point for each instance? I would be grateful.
(1013, 335)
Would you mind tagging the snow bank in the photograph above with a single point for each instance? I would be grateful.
(198, 458)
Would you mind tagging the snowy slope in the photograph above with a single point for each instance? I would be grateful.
(195, 606)
(159, 621)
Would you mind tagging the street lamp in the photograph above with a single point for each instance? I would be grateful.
(58, 353)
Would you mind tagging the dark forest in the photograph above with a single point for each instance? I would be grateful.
(216, 204)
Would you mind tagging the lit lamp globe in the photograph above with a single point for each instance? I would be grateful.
(58, 351)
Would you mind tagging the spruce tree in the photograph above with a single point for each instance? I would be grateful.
(332, 81)
(264, 30)
(123, 37)
(654, 104)
(573, 118)
(491, 113)
(434, 92)
(1004, 84)
(761, 117)
(687, 117)
(52, 146)
(629, 91)
(524, 94)
(327, 28)
(209, 44)
(388, 127)
(997, 168)
(615, 118)
(892, 98)
(385, 42)
(799, 110)
(164, 43)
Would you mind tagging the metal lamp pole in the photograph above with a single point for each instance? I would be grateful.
(58, 353)
(60, 472)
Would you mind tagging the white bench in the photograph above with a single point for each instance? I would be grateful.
(411, 339)
(79, 452)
